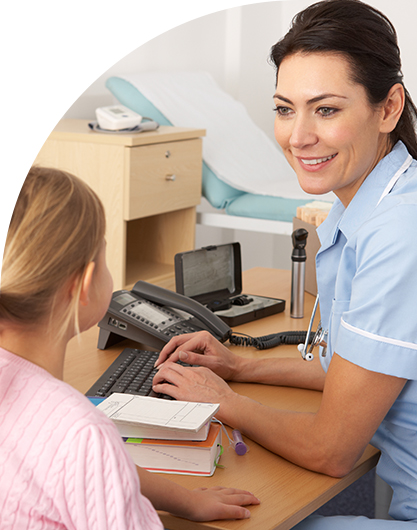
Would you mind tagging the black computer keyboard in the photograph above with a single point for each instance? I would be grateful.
(131, 373)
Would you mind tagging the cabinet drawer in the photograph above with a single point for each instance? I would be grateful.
(162, 177)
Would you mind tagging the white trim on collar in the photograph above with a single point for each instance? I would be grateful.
(397, 175)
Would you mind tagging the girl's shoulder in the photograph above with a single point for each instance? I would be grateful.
(32, 399)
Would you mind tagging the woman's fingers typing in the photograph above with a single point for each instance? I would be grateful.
(201, 349)
(190, 384)
(190, 341)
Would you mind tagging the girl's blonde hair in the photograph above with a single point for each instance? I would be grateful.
(56, 230)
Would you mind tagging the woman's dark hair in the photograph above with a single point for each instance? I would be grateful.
(367, 39)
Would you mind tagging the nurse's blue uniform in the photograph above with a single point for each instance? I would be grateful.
(367, 284)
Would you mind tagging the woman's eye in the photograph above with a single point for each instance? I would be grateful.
(282, 111)
(327, 111)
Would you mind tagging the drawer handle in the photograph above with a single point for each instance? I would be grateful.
(170, 177)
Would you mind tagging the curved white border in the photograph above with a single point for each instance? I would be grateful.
(52, 51)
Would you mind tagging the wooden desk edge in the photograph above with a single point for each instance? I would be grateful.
(367, 462)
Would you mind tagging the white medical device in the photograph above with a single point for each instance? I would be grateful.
(117, 117)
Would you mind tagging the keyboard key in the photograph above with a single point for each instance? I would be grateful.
(132, 372)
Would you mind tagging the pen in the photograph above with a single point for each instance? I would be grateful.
(240, 446)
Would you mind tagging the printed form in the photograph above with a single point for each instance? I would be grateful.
(156, 412)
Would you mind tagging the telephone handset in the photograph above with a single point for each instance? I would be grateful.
(152, 315)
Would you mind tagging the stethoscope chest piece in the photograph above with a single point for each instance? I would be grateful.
(319, 339)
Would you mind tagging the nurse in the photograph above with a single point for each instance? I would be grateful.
(346, 124)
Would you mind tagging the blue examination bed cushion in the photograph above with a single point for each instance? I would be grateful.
(245, 174)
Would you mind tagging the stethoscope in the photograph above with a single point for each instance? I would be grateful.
(321, 335)
(319, 339)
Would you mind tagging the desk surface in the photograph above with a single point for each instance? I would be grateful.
(288, 493)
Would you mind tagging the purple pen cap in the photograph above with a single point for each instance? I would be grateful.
(240, 446)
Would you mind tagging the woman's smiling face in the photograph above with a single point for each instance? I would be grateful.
(325, 125)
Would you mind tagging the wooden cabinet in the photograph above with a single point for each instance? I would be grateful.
(162, 177)
(150, 184)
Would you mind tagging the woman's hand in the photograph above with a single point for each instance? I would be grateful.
(202, 349)
(194, 384)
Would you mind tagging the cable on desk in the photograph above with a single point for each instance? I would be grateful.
(270, 341)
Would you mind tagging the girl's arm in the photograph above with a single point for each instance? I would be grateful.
(197, 505)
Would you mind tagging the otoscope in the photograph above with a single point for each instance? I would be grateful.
(298, 258)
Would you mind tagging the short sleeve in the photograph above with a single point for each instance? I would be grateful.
(97, 486)
(378, 325)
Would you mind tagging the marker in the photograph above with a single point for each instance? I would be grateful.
(240, 446)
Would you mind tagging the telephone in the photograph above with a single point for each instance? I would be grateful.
(152, 315)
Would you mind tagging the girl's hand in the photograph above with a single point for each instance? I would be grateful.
(219, 503)
(202, 504)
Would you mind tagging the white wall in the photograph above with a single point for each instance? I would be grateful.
(233, 45)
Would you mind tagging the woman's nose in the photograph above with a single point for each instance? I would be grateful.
(303, 132)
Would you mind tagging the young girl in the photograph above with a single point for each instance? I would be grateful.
(62, 462)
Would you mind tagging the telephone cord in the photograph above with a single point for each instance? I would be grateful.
(269, 341)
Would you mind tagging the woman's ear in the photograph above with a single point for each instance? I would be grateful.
(86, 283)
(392, 108)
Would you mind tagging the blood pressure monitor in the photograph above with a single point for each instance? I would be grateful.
(117, 117)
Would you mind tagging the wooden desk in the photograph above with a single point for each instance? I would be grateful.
(288, 493)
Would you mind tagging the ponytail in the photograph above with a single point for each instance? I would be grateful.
(56, 230)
